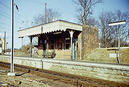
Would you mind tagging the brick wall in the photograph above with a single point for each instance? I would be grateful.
(89, 40)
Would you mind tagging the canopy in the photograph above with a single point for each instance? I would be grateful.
(54, 26)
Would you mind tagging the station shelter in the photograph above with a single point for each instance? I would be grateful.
(57, 39)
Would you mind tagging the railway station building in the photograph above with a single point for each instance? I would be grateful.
(57, 39)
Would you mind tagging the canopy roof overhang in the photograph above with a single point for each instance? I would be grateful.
(55, 26)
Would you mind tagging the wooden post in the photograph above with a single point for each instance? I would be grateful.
(22, 42)
(47, 46)
(31, 46)
(47, 49)
(4, 42)
(81, 49)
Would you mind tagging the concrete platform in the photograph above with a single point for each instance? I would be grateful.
(112, 72)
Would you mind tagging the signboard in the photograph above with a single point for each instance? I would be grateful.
(113, 55)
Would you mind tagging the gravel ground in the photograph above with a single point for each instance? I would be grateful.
(27, 80)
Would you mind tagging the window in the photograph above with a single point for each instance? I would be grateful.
(60, 45)
(67, 43)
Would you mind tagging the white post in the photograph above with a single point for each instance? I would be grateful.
(119, 45)
(71, 37)
(118, 23)
(12, 73)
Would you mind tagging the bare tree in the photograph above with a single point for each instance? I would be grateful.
(85, 9)
(109, 34)
(84, 16)
(51, 15)
(105, 18)
(92, 21)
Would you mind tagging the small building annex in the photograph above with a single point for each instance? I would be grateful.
(61, 38)
(2, 45)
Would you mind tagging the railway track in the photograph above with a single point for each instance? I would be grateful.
(78, 81)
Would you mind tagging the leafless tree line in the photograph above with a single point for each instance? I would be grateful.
(109, 36)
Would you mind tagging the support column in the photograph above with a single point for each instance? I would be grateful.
(47, 46)
(119, 45)
(71, 37)
(31, 46)
(4, 42)
(73, 50)
(47, 49)
(22, 42)
(81, 49)
(76, 50)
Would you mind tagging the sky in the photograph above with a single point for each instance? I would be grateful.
(28, 9)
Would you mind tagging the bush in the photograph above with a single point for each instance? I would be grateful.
(26, 48)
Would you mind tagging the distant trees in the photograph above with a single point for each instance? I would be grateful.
(85, 9)
(51, 15)
(109, 36)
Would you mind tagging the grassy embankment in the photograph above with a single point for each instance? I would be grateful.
(102, 55)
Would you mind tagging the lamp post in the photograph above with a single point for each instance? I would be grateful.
(11, 73)
(113, 24)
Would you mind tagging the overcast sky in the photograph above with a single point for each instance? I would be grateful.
(28, 9)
